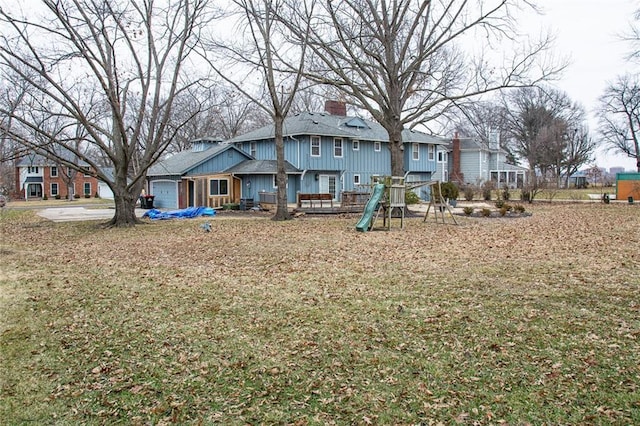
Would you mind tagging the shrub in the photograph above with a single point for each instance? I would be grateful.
(449, 190)
(57, 196)
(485, 212)
(507, 206)
(505, 193)
(487, 188)
(468, 211)
(87, 195)
(96, 195)
(499, 204)
(469, 192)
(411, 197)
(519, 208)
(44, 197)
(503, 211)
(76, 196)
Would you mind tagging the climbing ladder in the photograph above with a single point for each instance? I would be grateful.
(438, 203)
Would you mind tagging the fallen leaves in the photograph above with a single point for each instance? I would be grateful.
(526, 320)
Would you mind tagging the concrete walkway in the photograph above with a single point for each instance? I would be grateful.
(71, 214)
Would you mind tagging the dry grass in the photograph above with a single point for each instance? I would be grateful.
(513, 321)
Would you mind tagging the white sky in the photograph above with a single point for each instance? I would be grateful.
(587, 31)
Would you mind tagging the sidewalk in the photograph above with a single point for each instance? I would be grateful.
(70, 214)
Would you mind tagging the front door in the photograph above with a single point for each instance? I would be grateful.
(34, 190)
(328, 185)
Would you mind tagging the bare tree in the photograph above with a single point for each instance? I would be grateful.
(541, 123)
(578, 151)
(253, 63)
(619, 114)
(401, 61)
(112, 67)
(483, 119)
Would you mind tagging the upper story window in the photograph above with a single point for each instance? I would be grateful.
(53, 171)
(253, 149)
(377, 146)
(315, 146)
(87, 170)
(431, 153)
(337, 147)
(33, 170)
(415, 151)
(442, 157)
(355, 144)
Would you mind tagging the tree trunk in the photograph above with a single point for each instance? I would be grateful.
(282, 209)
(125, 215)
(125, 199)
(396, 149)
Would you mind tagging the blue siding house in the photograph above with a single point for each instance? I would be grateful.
(325, 153)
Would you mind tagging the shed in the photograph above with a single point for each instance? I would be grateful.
(627, 185)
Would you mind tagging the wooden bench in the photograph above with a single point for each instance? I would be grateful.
(311, 198)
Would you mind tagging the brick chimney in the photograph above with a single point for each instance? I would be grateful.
(336, 108)
(456, 174)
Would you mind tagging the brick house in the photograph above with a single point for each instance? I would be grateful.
(38, 177)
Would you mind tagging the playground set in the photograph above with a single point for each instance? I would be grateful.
(389, 197)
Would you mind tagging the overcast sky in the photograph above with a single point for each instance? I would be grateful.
(588, 32)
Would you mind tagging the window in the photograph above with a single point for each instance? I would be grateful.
(432, 152)
(252, 149)
(87, 188)
(32, 170)
(54, 189)
(218, 187)
(442, 156)
(53, 172)
(415, 151)
(377, 146)
(315, 146)
(355, 144)
(275, 181)
(87, 170)
(337, 147)
(356, 179)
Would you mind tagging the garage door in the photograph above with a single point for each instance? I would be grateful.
(166, 194)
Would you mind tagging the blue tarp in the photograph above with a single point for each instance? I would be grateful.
(188, 213)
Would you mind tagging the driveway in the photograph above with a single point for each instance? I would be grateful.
(70, 214)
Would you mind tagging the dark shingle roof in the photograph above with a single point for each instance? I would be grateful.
(182, 162)
(324, 124)
(257, 167)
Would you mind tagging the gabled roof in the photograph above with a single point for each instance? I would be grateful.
(181, 162)
(324, 124)
(473, 144)
(34, 159)
(258, 167)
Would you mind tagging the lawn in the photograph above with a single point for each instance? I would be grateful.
(532, 320)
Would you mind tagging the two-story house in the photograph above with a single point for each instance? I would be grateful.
(327, 152)
(38, 176)
(475, 162)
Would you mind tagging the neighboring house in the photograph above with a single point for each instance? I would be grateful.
(103, 189)
(475, 162)
(38, 176)
(325, 153)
